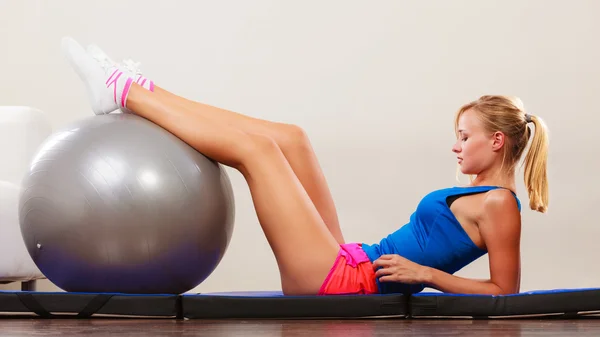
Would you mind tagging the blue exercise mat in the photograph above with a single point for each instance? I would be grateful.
(557, 302)
(273, 304)
(269, 304)
(85, 305)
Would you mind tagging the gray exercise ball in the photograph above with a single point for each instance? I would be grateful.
(115, 203)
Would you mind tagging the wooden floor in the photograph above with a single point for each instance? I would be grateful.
(286, 328)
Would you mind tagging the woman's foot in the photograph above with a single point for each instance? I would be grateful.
(107, 85)
(131, 68)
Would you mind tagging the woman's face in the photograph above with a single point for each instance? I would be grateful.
(475, 148)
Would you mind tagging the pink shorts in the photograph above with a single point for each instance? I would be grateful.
(352, 273)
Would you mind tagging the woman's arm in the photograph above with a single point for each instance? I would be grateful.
(448, 283)
(500, 228)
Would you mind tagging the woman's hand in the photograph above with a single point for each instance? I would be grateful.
(395, 268)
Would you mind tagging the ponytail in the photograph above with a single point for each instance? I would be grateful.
(536, 179)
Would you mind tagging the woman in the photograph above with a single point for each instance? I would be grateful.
(296, 210)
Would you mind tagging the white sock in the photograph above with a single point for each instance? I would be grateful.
(144, 82)
(119, 84)
(107, 86)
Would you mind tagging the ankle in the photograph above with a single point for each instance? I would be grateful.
(133, 95)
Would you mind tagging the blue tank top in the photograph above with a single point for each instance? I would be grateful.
(433, 237)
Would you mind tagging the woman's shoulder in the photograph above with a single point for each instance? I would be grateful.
(496, 197)
(499, 199)
(499, 206)
(500, 216)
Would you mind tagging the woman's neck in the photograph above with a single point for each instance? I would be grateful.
(496, 179)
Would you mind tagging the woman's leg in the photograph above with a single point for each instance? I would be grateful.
(304, 248)
(294, 144)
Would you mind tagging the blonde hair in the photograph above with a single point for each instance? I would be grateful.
(507, 115)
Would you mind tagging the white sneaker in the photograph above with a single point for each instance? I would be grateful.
(105, 83)
(130, 67)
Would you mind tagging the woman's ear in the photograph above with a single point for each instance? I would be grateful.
(498, 139)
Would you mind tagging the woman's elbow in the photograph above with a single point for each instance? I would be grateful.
(500, 291)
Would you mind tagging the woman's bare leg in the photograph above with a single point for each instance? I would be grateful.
(303, 246)
(293, 142)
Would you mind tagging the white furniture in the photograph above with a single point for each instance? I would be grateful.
(22, 131)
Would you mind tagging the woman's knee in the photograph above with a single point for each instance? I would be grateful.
(257, 147)
(284, 139)
(262, 144)
(291, 136)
